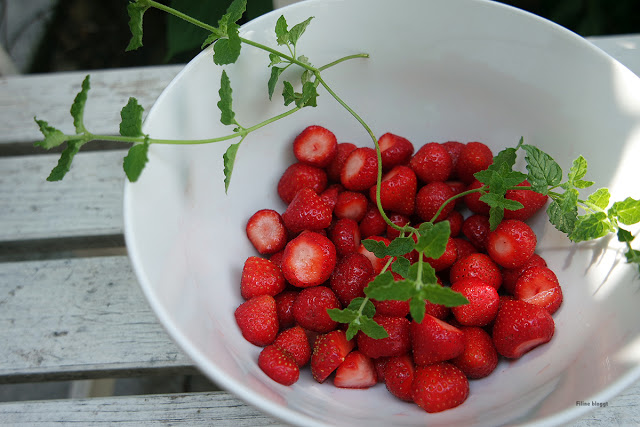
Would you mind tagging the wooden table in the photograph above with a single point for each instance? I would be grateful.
(70, 306)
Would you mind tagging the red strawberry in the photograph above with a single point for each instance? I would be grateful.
(399, 220)
(454, 148)
(277, 258)
(351, 204)
(266, 231)
(379, 364)
(357, 371)
(539, 286)
(393, 308)
(360, 169)
(307, 211)
(315, 146)
(342, 152)
(483, 302)
(298, 176)
(521, 326)
(351, 275)
(395, 150)
(511, 244)
(457, 187)
(308, 260)
(472, 200)
(479, 266)
(284, 307)
(310, 309)
(532, 202)
(330, 195)
(434, 340)
(439, 311)
(257, 319)
(345, 235)
(439, 387)
(397, 190)
(511, 275)
(465, 247)
(480, 357)
(398, 374)
(260, 277)
(474, 157)
(430, 198)
(476, 228)
(279, 365)
(295, 342)
(432, 163)
(373, 224)
(445, 260)
(329, 351)
(377, 263)
(456, 220)
(397, 343)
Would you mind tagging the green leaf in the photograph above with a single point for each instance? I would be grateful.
(563, 213)
(52, 136)
(282, 32)
(309, 95)
(273, 80)
(227, 116)
(229, 159)
(226, 51)
(627, 211)
(136, 12)
(504, 160)
(210, 39)
(342, 316)
(544, 172)
(633, 256)
(384, 288)
(64, 163)
(599, 198)
(578, 169)
(77, 108)
(443, 295)
(275, 59)
(625, 236)
(401, 266)
(136, 160)
(433, 238)
(591, 226)
(234, 12)
(372, 328)
(288, 93)
(417, 309)
(428, 273)
(369, 310)
(398, 246)
(297, 30)
(496, 214)
(131, 115)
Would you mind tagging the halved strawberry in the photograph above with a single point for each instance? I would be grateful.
(260, 277)
(351, 275)
(308, 260)
(432, 163)
(329, 351)
(395, 150)
(531, 201)
(479, 266)
(351, 204)
(377, 263)
(539, 286)
(335, 167)
(266, 231)
(315, 146)
(474, 157)
(434, 340)
(257, 319)
(483, 302)
(520, 327)
(510, 275)
(397, 343)
(356, 371)
(307, 211)
(480, 357)
(511, 244)
(298, 176)
(310, 309)
(398, 375)
(345, 235)
(439, 387)
(397, 190)
(295, 342)
(279, 365)
(360, 169)
(429, 199)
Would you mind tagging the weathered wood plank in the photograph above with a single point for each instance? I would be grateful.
(80, 318)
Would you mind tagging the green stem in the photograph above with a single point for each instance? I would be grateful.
(344, 58)
(457, 196)
(183, 16)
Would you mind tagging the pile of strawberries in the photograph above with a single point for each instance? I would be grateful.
(312, 259)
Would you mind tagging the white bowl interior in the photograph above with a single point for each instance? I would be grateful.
(439, 70)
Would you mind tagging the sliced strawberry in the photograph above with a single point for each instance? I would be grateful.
(511, 244)
(260, 277)
(257, 319)
(298, 176)
(429, 199)
(483, 302)
(476, 228)
(279, 365)
(266, 231)
(295, 342)
(284, 307)
(531, 201)
(373, 224)
(539, 286)
(377, 263)
(356, 371)
(308, 260)
(445, 260)
(480, 357)
(479, 266)
(434, 340)
(360, 169)
(352, 274)
(397, 343)
(329, 351)
(351, 204)
(520, 327)
(335, 167)
(474, 157)
(432, 163)
(315, 146)
(310, 309)
(398, 375)
(439, 387)
(345, 235)
(395, 150)
(510, 275)
(397, 190)
(307, 211)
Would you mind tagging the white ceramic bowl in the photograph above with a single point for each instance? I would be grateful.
(439, 70)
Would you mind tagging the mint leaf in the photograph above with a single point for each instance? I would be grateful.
(297, 30)
(52, 136)
(235, 11)
(563, 212)
(288, 93)
(273, 80)
(633, 256)
(577, 172)
(342, 316)
(136, 160)
(368, 310)
(417, 309)
(309, 95)
(227, 116)
(210, 39)
(443, 295)
(398, 246)
(77, 108)
(599, 198)
(591, 226)
(64, 163)
(131, 115)
(433, 238)
(282, 32)
(625, 236)
(136, 12)
(428, 273)
(627, 211)
(496, 214)
(229, 159)
(371, 328)
(226, 51)
(275, 59)
(401, 266)
(544, 172)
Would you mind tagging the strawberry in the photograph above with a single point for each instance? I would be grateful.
(399, 220)
(307, 211)
(279, 365)
(298, 176)
(377, 263)
(398, 375)
(257, 319)
(531, 201)
(510, 275)
(260, 277)
(439, 387)
(539, 286)
(350, 276)
(397, 343)
(284, 308)
(445, 260)
(434, 340)
(439, 311)
(295, 342)
(329, 351)
(360, 169)
(351, 204)
(454, 148)
(472, 200)
(474, 157)
(483, 302)
(456, 220)
(465, 247)
(308, 259)
(310, 309)
(480, 357)
(330, 195)
(315, 146)
(432, 163)
(335, 166)
(511, 244)
(521, 326)
(476, 228)
(356, 371)
(393, 308)
(397, 190)
(457, 187)
(429, 199)
(395, 150)
(479, 266)
(345, 235)
(277, 258)
(266, 231)
(379, 364)
(373, 224)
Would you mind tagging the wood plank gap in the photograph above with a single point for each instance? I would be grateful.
(62, 248)
(29, 149)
